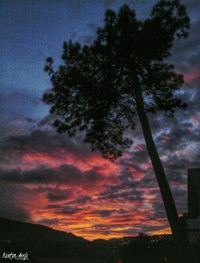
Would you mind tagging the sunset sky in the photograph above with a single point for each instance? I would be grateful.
(57, 181)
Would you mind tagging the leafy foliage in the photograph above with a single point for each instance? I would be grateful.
(93, 90)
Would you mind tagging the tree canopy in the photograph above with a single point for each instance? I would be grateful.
(94, 88)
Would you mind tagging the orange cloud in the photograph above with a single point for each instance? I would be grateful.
(103, 166)
(135, 173)
(191, 76)
(79, 202)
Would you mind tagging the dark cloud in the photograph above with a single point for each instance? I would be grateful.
(193, 7)
(64, 208)
(122, 194)
(65, 174)
(16, 104)
(191, 4)
(58, 195)
(45, 141)
(103, 213)
(185, 54)
(68, 210)
(55, 206)
(48, 221)
(108, 3)
(80, 200)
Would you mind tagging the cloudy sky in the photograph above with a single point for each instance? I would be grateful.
(50, 179)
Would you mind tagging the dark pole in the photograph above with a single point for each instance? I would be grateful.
(170, 207)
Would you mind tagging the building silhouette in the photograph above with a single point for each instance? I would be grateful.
(193, 215)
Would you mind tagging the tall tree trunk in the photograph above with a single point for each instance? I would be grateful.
(171, 211)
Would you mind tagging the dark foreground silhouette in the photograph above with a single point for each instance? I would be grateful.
(123, 73)
(43, 244)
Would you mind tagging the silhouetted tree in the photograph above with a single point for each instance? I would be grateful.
(100, 87)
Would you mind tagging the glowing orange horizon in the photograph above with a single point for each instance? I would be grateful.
(97, 215)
